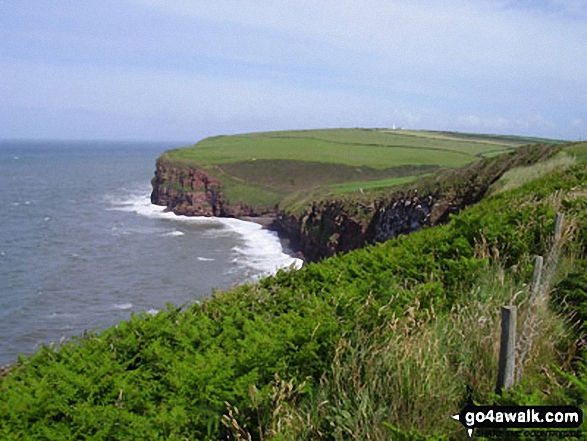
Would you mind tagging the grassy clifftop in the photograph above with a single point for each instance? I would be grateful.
(291, 167)
(378, 343)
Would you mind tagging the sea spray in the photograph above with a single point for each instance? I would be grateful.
(261, 252)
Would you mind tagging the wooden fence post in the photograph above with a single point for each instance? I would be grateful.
(536, 279)
(558, 226)
(507, 349)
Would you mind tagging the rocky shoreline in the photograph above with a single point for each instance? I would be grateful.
(328, 227)
(191, 191)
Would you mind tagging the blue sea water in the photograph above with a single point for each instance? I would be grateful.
(81, 247)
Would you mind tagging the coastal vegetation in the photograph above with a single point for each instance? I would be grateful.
(377, 343)
(264, 169)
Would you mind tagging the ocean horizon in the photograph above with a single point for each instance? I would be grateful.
(82, 247)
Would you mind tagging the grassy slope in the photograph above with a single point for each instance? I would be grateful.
(379, 342)
(265, 168)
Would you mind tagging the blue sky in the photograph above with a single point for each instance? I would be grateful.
(182, 70)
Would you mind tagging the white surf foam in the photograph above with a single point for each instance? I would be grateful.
(173, 233)
(61, 315)
(261, 250)
(141, 204)
(205, 259)
(123, 306)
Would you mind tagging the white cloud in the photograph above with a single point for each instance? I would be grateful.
(462, 36)
(499, 124)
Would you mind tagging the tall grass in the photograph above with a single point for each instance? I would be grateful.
(519, 176)
(403, 379)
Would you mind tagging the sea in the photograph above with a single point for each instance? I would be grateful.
(82, 247)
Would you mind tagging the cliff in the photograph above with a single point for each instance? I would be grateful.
(192, 191)
(327, 227)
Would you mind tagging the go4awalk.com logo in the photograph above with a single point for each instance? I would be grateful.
(519, 417)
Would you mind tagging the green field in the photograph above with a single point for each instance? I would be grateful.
(266, 168)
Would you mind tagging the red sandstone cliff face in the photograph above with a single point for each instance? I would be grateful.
(333, 226)
(191, 191)
(330, 227)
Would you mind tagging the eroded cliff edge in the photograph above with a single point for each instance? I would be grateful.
(192, 191)
(327, 227)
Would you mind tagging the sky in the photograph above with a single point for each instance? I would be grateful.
(186, 69)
